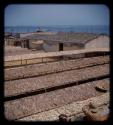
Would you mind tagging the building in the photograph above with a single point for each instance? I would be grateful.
(74, 41)
(62, 41)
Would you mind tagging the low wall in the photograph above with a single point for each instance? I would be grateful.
(53, 56)
(29, 61)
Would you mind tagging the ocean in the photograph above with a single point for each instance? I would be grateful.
(90, 29)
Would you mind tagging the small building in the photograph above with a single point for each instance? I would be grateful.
(36, 40)
(12, 41)
(74, 41)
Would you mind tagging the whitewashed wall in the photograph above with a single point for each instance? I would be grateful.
(100, 42)
(73, 47)
(55, 47)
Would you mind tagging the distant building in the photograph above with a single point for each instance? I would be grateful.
(74, 41)
(61, 41)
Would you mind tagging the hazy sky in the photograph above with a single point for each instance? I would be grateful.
(55, 14)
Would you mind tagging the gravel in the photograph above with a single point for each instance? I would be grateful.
(41, 69)
(27, 106)
(72, 109)
(17, 87)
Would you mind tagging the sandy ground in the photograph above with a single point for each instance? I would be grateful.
(13, 51)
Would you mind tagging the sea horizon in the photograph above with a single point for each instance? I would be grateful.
(59, 28)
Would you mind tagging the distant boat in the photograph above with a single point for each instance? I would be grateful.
(40, 30)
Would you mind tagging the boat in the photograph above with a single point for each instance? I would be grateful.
(40, 30)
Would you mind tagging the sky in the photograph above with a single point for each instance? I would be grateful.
(56, 14)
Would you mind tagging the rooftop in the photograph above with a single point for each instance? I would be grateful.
(65, 37)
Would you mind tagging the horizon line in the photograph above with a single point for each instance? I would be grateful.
(56, 25)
